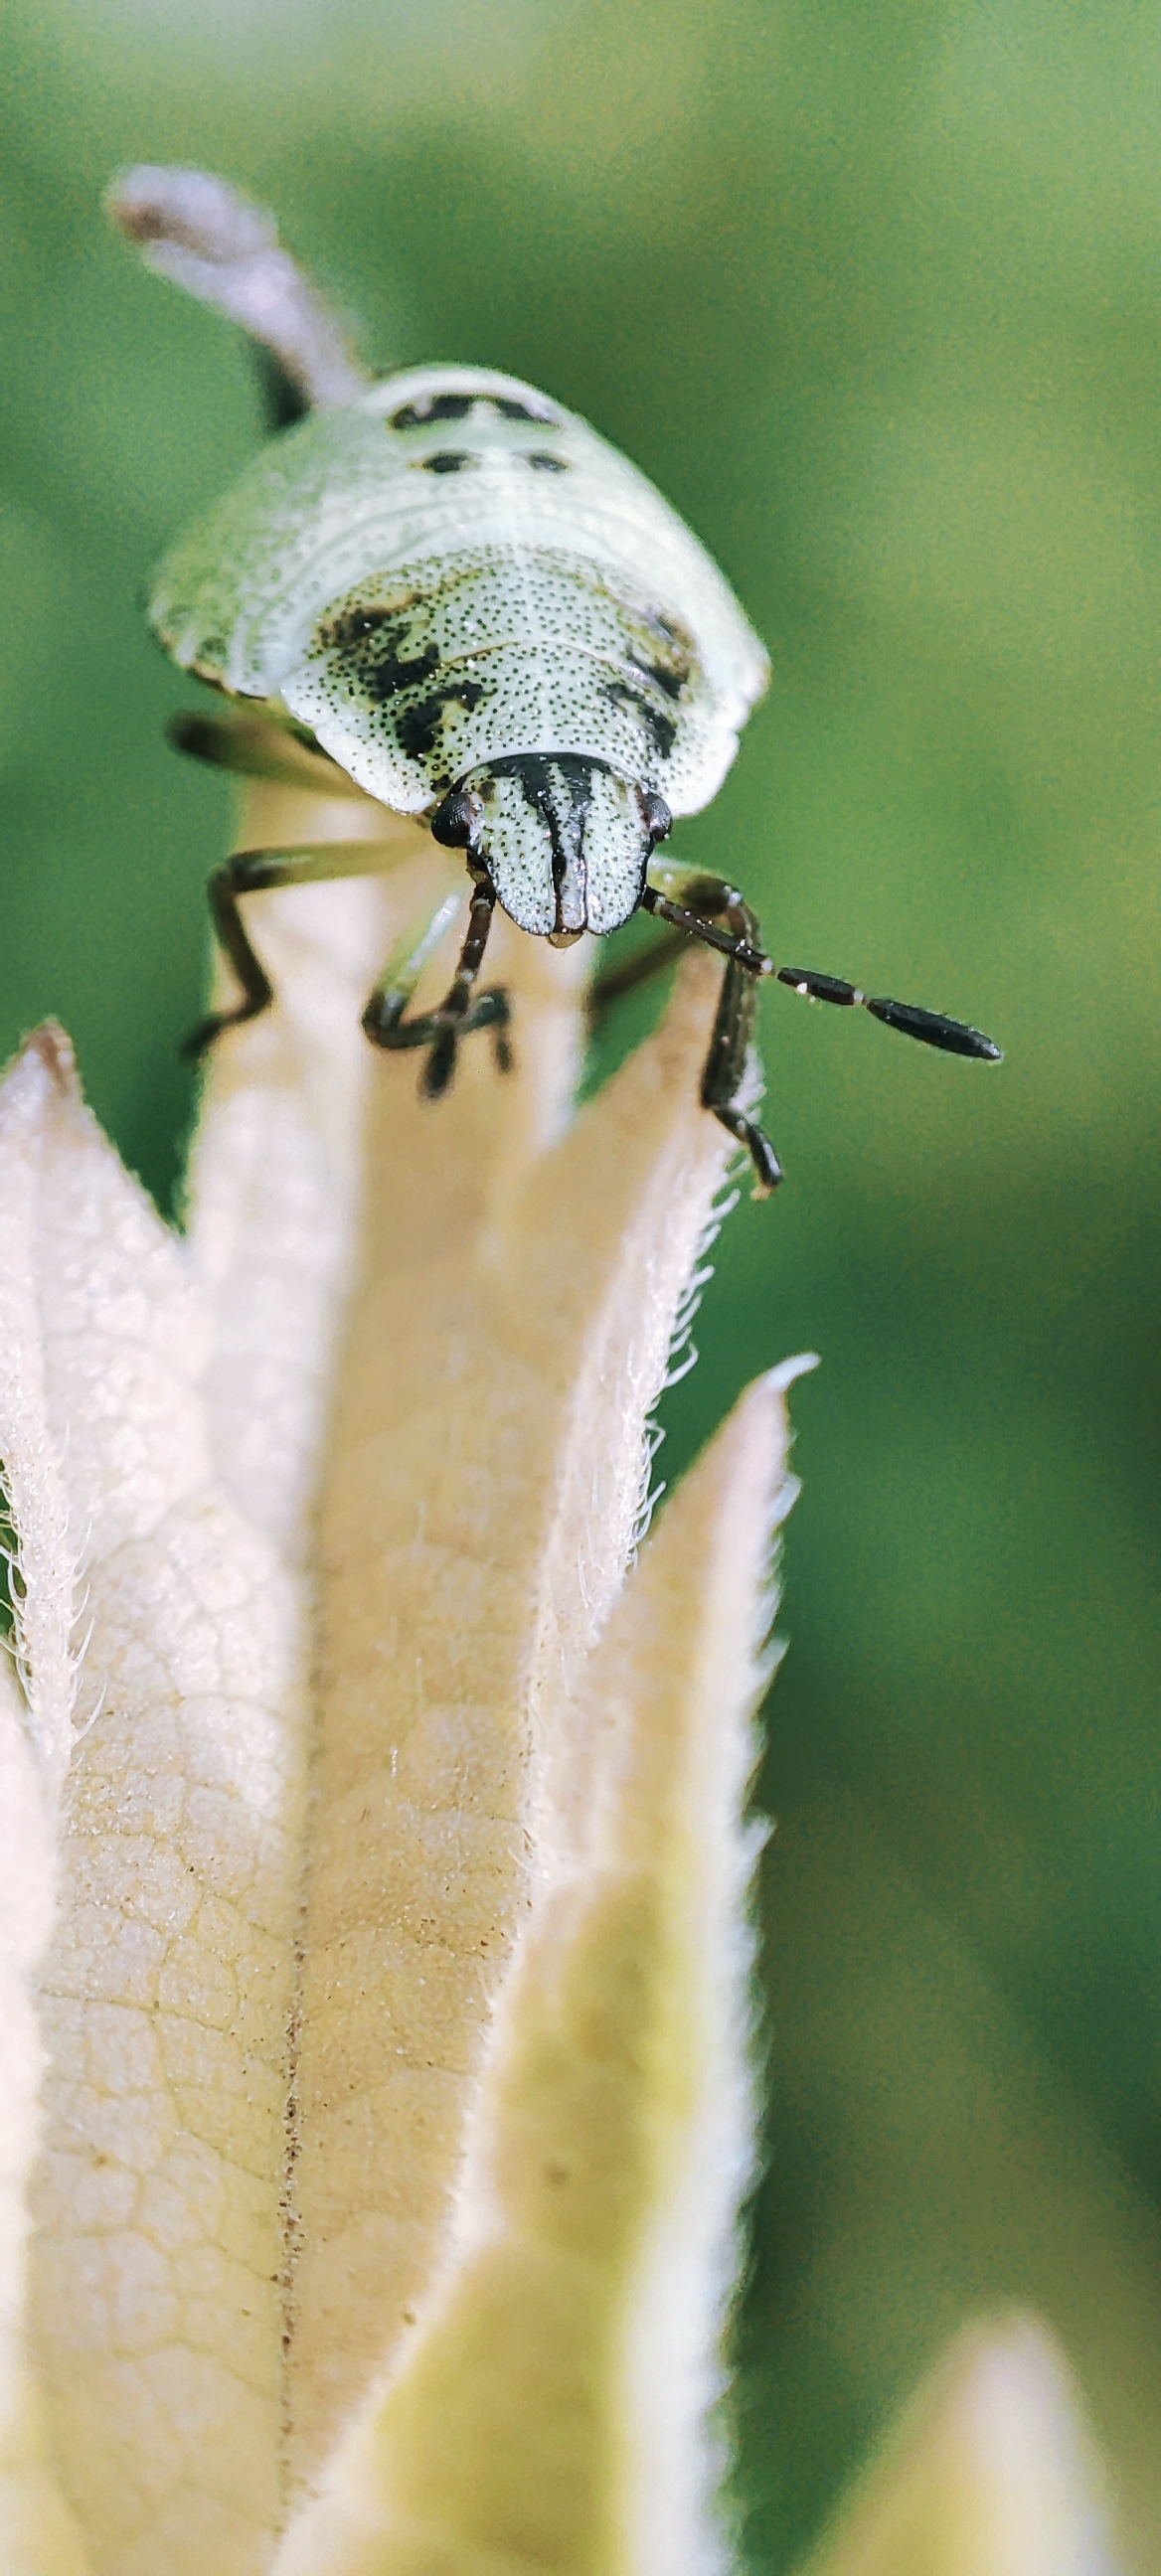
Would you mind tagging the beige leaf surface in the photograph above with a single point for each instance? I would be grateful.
(554, 2406)
(433, 1338)
(37, 2532)
(166, 1994)
(488, 1467)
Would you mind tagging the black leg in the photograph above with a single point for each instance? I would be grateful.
(461, 1010)
(710, 901)
(257, 746)
(635, 971)
(252, 872)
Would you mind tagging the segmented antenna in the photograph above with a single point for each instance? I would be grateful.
(930, 1027)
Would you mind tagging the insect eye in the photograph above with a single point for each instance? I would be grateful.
(656, 816)
(456, 821)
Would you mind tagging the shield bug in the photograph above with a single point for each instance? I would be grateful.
(448, 590)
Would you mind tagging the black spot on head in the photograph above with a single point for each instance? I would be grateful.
(437, 407)
(548, 464)
(447, 460)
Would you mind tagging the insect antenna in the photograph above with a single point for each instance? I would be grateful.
(930, 1027)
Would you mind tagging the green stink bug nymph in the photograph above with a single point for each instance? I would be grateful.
(483, 615)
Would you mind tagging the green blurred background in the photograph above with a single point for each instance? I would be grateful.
(874, 293)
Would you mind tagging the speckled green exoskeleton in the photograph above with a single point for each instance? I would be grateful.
(458, 596)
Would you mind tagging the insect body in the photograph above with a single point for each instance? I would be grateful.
(485, 616)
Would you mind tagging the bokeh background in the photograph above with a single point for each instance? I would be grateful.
(872, 289)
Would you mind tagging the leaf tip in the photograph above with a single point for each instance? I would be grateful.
(991, 2471)
(781, 1378)
(43, 1071)
(52, 1047)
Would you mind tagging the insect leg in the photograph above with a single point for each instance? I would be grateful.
(252, 872)
(708, 902)
(636, 970)
(258, 746)
(461, 1010)
(197, 230)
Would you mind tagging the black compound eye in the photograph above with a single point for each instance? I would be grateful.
(456, 822)
(656, 816)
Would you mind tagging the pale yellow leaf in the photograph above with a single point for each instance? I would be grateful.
(508, 1340)
(554, 2406)
(37, 2533)
(276, 1172)
(991, 2472)
(461, 1317)
(166, 1994)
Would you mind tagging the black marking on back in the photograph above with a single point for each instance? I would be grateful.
(672, 682)
(510, 409)
(447, 460)
(419, 727)
(661, 727)
(437, 407)
(353, 624)
(385, 679)
(372, 645)
(417, 415)
(543, 464)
